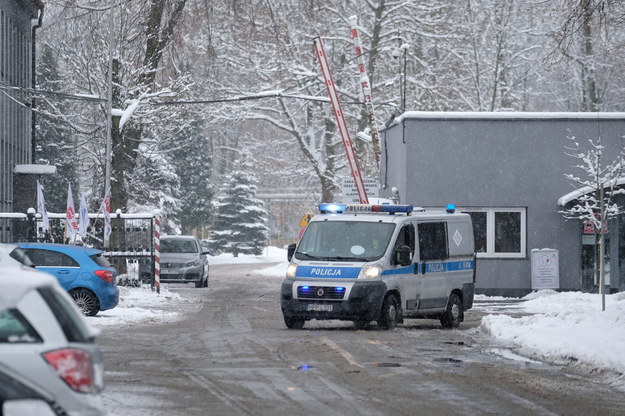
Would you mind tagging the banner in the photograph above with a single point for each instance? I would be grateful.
(83, 219)
(41, 208)
(106, 213)
(71, 222)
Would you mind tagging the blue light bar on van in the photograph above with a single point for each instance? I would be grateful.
(380, 208)
(329, 208)
(451, 208)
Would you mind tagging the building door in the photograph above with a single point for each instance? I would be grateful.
(590, 259)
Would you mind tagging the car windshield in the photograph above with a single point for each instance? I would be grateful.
(344, 240)
(178, 246)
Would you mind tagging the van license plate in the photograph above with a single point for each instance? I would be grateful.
(319, 307)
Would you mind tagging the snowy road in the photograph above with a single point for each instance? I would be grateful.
(232, 355)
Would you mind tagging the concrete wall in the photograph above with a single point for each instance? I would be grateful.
(497, 160)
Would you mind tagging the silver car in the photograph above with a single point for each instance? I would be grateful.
(183, 260)
(45, 339)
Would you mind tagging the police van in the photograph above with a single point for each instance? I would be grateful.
(381, 263)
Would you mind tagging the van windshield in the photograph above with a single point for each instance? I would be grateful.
(344, 240)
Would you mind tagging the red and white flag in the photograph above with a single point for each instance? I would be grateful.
(41, 208)
(71, 222)
(106, 213)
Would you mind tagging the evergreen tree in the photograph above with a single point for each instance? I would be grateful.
(192, 161)
(240, 224)
(54, 142)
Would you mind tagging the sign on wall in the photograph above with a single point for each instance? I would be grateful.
(545, 269)
(350, 194)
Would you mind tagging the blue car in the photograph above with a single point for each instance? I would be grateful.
(84, 272)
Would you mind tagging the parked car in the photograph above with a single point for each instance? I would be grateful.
(13, 256)
(84, 272)
(183, 260)
(20, 397)
(45, 340)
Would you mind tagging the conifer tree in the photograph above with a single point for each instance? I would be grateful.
(240, 224)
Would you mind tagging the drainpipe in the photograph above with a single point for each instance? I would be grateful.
(33, 69)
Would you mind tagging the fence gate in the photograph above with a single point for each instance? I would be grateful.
(131, 244)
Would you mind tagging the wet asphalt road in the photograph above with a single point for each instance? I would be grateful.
(232, 355)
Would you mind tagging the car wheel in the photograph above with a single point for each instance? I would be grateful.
(389, 315)
(86, 301)
(293, 322)
(453, 315)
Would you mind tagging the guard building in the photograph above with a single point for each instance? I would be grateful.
(507, 170)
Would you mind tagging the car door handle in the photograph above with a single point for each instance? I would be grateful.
(63, 272)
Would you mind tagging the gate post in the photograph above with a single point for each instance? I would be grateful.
(157, 256)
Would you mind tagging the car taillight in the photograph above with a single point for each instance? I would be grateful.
(105, 275)
(74, 367)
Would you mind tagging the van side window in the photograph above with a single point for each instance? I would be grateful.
(406, 237)
(433, 241)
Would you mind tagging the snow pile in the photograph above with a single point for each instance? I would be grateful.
(141, 304)
(270, 255)
(565, 327)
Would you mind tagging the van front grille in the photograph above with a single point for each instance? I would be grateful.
(321, 292)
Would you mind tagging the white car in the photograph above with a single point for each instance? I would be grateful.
(13, 256)
(45, 339)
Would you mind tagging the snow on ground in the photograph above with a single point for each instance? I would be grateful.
(141, 304)
(555, 327)
(567, 327)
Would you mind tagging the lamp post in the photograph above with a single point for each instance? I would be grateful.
(32, 230)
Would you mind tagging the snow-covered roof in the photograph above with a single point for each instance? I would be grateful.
(565, 199)
(508, 115)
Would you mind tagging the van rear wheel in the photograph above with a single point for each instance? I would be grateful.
(454, 314)
(389, 315)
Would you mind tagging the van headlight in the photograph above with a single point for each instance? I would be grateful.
(370, 271)
(291, 270)
(192, 263)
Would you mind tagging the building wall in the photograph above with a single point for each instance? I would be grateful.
(507, 160)
(15, 71)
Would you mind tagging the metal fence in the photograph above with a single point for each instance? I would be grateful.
(130, 248)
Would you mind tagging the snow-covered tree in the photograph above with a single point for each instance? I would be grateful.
(191, 157)
(55, 143)
(595, 193)
(240, 223)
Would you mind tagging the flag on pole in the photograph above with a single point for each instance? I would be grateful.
(41, 208)
(83, 220)
(106, 213)
(71, 222)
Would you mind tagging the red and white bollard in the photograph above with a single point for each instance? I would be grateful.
(157, 255)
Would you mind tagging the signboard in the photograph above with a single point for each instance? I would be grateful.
(545, 269)
(350, 194)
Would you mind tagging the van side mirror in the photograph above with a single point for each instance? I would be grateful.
(290, 250)
(403, 256)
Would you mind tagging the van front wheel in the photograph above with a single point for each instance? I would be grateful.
(454, 313)
(389, 315)
(294, 323)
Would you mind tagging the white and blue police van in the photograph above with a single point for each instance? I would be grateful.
(381, 263)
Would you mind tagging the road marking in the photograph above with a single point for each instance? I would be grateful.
(345, 354)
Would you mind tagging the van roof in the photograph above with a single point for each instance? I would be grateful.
(429, 214)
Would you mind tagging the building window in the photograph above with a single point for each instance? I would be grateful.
(499, 232)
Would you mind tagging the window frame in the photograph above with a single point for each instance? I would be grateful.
(490, 232)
